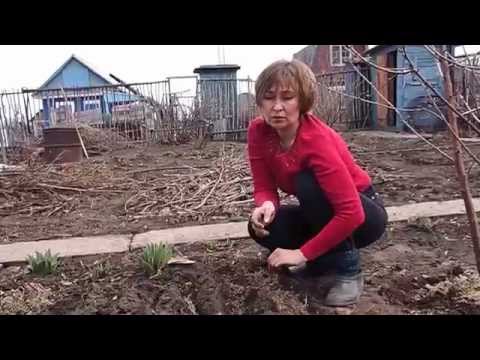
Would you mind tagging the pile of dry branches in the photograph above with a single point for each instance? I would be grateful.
(181, 193)
(41, 189)
(196, 193)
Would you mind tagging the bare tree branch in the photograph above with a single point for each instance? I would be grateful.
(400, 116)
(470, 110)
(378, 103)
(442, 117)
(378, 67)
(439, 56)
(440, 96)
(460, 166)
(412, 70)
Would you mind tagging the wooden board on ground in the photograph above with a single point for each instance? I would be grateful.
(18, 252)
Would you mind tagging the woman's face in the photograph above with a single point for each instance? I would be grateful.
(280, 107)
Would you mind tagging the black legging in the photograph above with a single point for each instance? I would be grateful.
(294, 225)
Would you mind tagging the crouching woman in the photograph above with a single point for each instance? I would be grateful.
(339, 210)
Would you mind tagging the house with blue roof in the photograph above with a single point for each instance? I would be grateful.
(81, 89)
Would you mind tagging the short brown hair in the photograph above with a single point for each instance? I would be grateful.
(290, 73)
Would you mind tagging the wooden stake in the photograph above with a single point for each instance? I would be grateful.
(81, 142)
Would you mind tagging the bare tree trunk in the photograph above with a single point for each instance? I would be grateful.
(460, 166)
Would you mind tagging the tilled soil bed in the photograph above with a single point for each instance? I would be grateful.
(423, 267)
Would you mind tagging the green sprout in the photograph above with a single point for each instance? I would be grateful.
(155, 257)
(43, 264)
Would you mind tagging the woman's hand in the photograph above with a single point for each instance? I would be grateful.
(261, 217)
(284, 257)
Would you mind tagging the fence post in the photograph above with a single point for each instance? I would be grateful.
(3, 143)
(3, 132)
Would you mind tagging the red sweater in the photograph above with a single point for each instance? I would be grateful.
(321, 149)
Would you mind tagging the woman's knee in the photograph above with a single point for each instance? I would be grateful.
(267, 242)
(284, 231)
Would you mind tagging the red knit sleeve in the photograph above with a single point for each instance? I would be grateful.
(264, 187)
(336, 182)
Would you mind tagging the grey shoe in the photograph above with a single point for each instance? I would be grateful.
(345, 291)
(301, 279)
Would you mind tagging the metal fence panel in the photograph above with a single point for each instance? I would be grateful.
(165, 112)
(341, 99)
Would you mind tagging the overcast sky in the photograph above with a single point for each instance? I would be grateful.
(30, 65)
